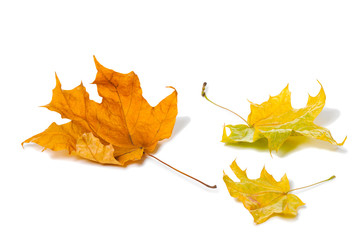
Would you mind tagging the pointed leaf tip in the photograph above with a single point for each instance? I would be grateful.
(341, 144)
(171, 88)
(57, 81)
(97, 64)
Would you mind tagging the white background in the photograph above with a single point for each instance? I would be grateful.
(244, 50)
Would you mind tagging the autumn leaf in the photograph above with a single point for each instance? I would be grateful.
(264, 197)
(120, 129)
(276, 121)
(117, 130)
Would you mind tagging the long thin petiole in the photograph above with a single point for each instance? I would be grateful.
(312, 184)
(205, 96)
(214, 186)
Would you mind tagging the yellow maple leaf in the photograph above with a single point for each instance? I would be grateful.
(264, 197)
(276, 120)
(119, 129)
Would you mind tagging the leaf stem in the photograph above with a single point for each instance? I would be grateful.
(205, 96)
(332, 177)
(214, 186)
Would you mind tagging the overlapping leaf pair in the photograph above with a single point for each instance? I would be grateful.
(119, 129)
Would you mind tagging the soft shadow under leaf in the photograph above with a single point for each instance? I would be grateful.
(291, 145)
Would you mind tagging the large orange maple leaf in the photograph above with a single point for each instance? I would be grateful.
(119, 129)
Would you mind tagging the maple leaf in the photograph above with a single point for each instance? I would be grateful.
(276, 120)
(120, 129)
(264, 197)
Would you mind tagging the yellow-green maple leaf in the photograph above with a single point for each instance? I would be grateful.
(263, 197)
(276, 120)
